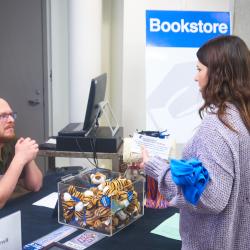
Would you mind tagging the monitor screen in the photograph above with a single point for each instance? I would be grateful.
(96, 95)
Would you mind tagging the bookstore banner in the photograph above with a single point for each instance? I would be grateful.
(172, 39)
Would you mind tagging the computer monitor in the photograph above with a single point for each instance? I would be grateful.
(96, 96)
(93, 110)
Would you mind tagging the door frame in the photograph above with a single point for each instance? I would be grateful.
(47, 72)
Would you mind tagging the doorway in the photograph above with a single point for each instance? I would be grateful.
(23, 66)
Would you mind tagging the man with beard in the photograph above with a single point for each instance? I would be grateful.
(17, 165)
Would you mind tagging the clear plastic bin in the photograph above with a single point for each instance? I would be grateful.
(100, 200)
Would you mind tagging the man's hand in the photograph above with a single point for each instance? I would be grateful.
(145, 156)
(26, 150)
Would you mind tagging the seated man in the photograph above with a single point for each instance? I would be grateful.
(16, 157)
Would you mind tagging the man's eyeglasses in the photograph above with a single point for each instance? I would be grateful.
(5, 117)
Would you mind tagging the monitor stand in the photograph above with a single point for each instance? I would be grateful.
(109, 118)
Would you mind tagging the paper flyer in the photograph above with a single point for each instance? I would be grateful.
(55, 235)
(169, 228)
(154, 145)
(84, 240)
(47, 201)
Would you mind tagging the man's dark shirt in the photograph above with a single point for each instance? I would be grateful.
(7, 154)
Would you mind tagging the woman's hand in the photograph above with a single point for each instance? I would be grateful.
(145, 156)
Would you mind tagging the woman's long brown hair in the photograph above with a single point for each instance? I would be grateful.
(228, 62)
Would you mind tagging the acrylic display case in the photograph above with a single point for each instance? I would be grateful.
(100, 200)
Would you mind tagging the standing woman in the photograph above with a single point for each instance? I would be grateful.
(219, 217)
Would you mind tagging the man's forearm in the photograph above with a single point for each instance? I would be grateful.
(9, 180)
(32, 177)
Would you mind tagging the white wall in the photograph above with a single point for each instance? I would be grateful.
(60, 69)
(133, 66)
(77, 46)
(85, 49)
(133, 84)
(133, 60)
(60, 64)
(123, 53)
(242, 20)
(116, 58)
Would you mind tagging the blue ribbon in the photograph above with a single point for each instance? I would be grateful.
(191, 176)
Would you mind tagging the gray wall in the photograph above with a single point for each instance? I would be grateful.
(242, 20)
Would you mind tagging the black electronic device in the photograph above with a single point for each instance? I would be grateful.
(160, 134)
(93, 111)
(99, 140)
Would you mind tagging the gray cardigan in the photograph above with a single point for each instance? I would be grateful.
(221, 219)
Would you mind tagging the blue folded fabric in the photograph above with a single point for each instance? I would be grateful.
(191, 176)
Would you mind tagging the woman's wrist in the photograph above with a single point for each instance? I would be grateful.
(154, 166)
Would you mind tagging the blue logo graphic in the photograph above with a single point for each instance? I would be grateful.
(184, 28)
